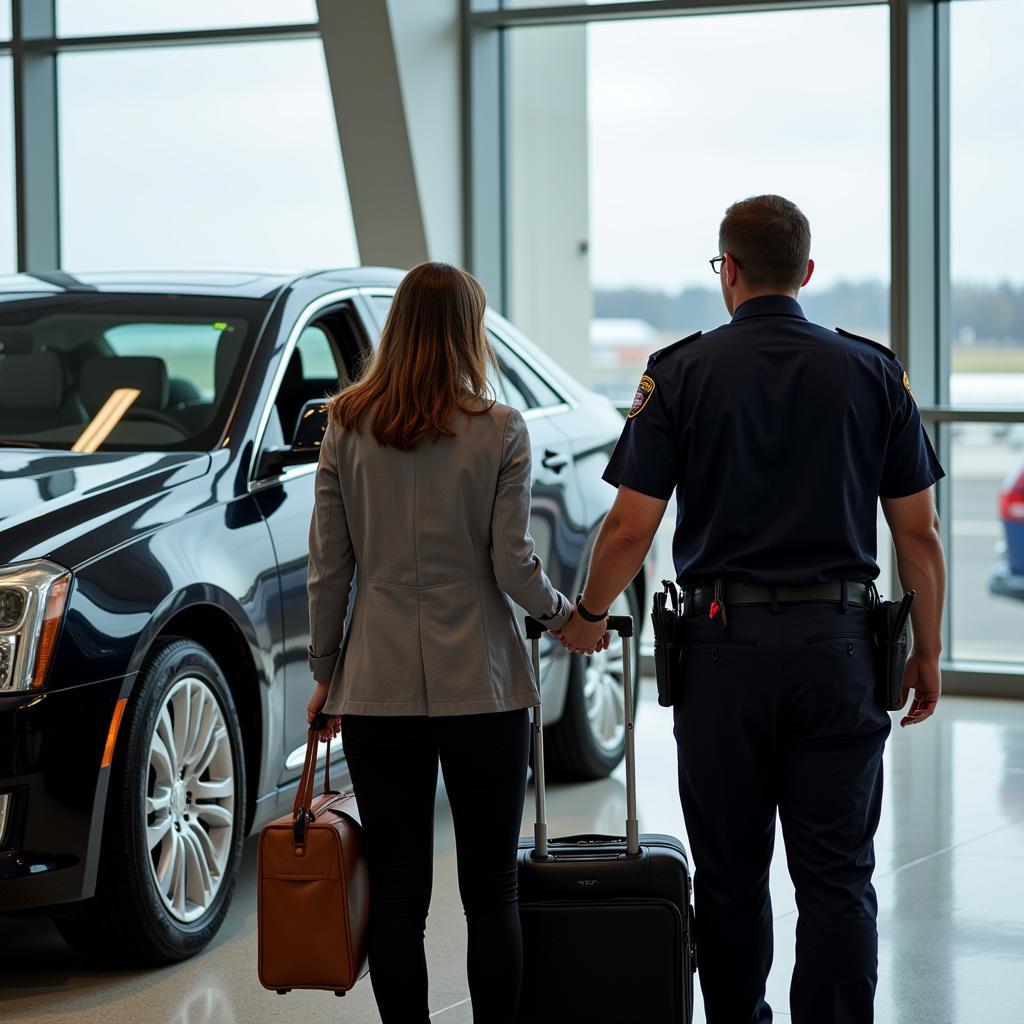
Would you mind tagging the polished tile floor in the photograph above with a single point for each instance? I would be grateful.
(950, 885)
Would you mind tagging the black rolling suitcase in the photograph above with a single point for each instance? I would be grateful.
(607, 922)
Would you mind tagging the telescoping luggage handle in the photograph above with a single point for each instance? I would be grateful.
(623, 625)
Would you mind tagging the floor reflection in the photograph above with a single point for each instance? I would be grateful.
(950, 861)
(205, 1006)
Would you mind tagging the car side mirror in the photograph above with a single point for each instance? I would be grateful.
(310, 428)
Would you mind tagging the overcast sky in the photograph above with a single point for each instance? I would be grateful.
(226, 155)
(689, 114)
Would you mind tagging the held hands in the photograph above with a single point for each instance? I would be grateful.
(315, 706)
(583, 637)
(921, 675)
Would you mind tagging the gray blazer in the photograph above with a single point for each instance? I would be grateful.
(440, 540)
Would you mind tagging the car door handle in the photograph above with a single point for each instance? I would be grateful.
(555, 461)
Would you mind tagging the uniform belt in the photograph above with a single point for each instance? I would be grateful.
(698, 599)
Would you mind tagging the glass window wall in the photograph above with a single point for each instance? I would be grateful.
(986, 154)
(643, 132)
(117, 17)
(203, 156)
(628, 140)
(987, 324)
(8, 229)
(986, 557)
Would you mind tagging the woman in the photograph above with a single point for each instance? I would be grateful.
(423, 489)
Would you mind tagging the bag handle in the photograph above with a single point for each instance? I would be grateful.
(304, 794)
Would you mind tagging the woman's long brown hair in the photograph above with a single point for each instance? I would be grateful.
(431, 362)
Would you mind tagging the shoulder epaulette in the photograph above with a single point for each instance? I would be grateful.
(671, 348)
(867, 341)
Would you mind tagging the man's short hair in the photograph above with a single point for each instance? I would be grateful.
(770, 238)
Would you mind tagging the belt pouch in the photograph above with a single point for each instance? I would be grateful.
(666, 614)
(889, 627)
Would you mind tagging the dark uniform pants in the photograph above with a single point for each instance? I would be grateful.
(778, 712)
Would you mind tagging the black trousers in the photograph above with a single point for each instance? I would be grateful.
(777, 714)
(393, 762)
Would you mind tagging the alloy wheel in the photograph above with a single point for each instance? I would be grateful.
(190, 799)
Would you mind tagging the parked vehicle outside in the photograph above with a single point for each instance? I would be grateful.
(1007, 577)
(158, 441)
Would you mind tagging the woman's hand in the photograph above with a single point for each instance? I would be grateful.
(583, 637)
(316, 706)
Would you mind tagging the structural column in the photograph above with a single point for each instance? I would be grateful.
(920, 193)
(484, 152)
(37, 198)
(920, 314)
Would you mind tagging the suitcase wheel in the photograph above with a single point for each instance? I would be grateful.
(283, 991)
(339, 993)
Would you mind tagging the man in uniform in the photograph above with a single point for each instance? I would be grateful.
(778, 437)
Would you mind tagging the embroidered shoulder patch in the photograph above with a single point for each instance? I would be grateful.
(643, 393)
(906, 384)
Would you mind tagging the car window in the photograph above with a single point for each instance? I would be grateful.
(545, 395)
(522, 375)
(507, 391)
(314, 370)
(381, 305)
(122, 372)
(318, 358)
(187, 350)
(519, 385)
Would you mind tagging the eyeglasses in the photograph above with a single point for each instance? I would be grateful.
(717, 261)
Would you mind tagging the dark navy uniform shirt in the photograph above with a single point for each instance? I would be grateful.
(778, 436)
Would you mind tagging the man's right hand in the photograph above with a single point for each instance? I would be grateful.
(583, 637)
(922, 568)
(921, 675)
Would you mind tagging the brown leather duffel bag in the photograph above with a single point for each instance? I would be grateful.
(313, 897)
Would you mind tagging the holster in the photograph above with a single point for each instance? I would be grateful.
(889, 631)
(667, 615)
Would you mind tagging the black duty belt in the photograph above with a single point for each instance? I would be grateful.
(698, 600)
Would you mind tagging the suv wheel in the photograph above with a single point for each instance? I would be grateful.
(175, 822)
(590, 738)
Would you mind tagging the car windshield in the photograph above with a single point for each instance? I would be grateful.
(121, 372)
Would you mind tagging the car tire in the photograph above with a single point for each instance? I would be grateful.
(583, 745)
(175, 821)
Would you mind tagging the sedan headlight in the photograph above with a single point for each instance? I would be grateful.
(32, 599)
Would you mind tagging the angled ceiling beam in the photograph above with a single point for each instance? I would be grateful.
(373, 132)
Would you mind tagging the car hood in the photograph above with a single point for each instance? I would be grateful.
(48, 497)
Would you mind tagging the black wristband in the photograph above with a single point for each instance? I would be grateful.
(588, 616)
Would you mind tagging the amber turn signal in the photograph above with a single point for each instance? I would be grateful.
(55, 601)
(115, 725)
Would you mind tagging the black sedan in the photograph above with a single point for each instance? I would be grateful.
(158, 438)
